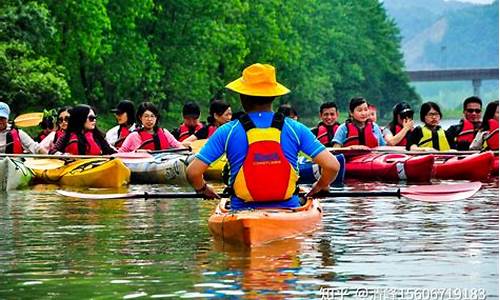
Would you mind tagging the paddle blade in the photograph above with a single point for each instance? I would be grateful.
(28, 120)
(43, 163)
(441, 192)
(94, 196)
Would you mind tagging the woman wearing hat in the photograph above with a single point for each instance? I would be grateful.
(61, 126)
(358, 132)
(13, 140)
(397, 131)
(149, 135)
(262, 148)
(430, 135)
(83, 137)
(125, 117)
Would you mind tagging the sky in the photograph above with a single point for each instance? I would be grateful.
(475, 1)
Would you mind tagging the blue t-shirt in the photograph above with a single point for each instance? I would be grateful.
(231, 139)
(341, 134)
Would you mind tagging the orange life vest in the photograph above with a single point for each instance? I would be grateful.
(356, 136)
(185, 132)
(395, 130)
(123, 132)
(91, 146)
(466, 135)
(326, 133)
(211, 130)
(266, 174)
(492, 138)
(14, 145)
(156, 141)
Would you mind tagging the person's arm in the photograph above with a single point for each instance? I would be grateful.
(47, 142)
(191, 138)
(131, 143)
(172, 142)
(378, 133)
(477, 143)
(30, 145)
(194, 173)
(340, 136)
(393, 140)
(329, 169)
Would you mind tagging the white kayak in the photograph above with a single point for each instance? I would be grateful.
(162, 168)
(13, 174)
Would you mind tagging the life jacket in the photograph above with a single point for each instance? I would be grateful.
(266, 174)
(185, 131)
(58, 135)
(123, 132)
(211, 130)
(395, 130)
(491, 140)
(91, 146)
(156, 141)
(326, 133)
(466, 135)
(356, 136)
(430, 137)
(14, 145)
(42, 135)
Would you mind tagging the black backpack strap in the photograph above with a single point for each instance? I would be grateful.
(278, 121)
(246, 122)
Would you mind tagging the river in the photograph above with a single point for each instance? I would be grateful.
(53, 247)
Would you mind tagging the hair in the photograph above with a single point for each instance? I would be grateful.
(77, 118)
(287, 110)
(61, 110)
(396, 111)
(249, 102)
(190, 109)
(491, 109)
(472, 99)
(129, 108)
(355, 102)
(141, 109)
(327, 105)
(47, 122)
(426, 107)
(217, 107)
(372, 106)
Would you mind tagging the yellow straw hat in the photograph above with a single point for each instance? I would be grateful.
(258, 80)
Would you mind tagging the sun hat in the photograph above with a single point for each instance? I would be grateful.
(258, 80)
(4, 110)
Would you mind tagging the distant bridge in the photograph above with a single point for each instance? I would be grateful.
(474, 75)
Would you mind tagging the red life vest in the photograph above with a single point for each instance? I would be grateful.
(91, 146)
(356, 136)
(59, 133)
(395, 130)
(185, 132)
(14, 145)
(466, 136)
(326, 133)
(123, 132)
(492, 138)
(211, 130)
(156, 141)
(266, 174)
(42, 135)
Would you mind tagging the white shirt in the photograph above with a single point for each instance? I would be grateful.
(27, 142)
(113, 134)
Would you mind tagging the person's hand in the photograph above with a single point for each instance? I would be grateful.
(359, 147)
(186, 144)
(142, 151)
(208, 192)
(408, 124)
(317, 188)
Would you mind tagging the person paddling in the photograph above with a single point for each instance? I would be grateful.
(262, 148)
(397, 131)
(125, 117)
(83, 137)
(149, 135)
(191, 125)
(219, 114)
(487, 137)
(14, 140)
(61, 126)
(358, 132)
(430, 135)
(326, 129)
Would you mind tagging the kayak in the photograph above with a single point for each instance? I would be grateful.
(494, 170)
(162, 168)
(310, 172)
(474, 167)
(260, 226)
(94, 172)
(390, 167)
(14, 174)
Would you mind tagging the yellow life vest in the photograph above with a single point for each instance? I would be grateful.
(427, 139)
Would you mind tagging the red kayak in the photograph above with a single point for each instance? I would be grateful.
(390, 167)
(494, 170)
(475, 167)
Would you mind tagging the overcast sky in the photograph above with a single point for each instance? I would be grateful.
(475, 1)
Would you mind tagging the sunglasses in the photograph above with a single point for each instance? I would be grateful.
(63, 119)
(471, 110)
(91, 118)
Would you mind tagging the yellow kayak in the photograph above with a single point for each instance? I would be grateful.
(214, 171)
(95, 172)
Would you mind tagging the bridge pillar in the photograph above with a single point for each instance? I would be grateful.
(476, 84)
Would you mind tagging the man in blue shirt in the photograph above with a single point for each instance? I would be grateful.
(258, 88)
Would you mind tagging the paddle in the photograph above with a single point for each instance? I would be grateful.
(428, 193)
(44, 163)
(170, 150)
(28, 120)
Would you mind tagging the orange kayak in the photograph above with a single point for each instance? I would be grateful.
(259, 226)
